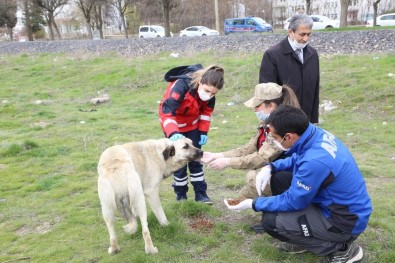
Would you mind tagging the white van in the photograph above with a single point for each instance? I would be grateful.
(152, 31)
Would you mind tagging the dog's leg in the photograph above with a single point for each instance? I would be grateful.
(149, 246)
(156, 206)
(141, 211)
(107, 200)
(139, 208)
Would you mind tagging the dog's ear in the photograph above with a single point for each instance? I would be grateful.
(169, 152)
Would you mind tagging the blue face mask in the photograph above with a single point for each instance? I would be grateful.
(261, 115)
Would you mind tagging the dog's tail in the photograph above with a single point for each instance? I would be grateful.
(123, 203)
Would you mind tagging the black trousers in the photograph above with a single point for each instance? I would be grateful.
(307, 228)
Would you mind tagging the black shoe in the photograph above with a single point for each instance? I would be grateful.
(291, 248)
(353, 253)
(202, 197)
(258, 228)
(181, 197)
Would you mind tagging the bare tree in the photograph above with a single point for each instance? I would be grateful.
(8, 15)
(86, 7)
(375, 6)
(50, 9)
(343, 12)
(123, 7)
(167, 6)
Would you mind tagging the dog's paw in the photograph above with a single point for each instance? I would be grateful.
(113, 250)
(151, 250)
(164, 222)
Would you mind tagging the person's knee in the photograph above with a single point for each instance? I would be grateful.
(269, 224)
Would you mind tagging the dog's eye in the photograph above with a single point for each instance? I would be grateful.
(186, 146)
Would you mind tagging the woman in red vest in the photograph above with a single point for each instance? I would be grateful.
(185, 111)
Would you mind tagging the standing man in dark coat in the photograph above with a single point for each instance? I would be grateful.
(294, 63)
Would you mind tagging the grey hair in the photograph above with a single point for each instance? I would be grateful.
(298, 20)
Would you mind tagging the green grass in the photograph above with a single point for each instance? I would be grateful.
(52, 137)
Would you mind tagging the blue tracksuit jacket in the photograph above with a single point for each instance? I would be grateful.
(325, 174)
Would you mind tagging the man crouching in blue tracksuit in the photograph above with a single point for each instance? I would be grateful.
(326, 206)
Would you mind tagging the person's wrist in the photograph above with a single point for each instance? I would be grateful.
(219, 155)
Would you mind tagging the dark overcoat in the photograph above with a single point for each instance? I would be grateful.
(281, 65)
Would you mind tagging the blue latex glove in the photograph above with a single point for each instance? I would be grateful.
(176, 137)
(203, 139)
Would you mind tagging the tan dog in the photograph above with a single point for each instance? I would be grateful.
(131, 173)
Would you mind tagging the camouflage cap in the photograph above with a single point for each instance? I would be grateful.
(264, 91)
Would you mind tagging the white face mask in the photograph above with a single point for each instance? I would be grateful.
(261, 115)
(279, 145)
(297, 45)
(204, 96)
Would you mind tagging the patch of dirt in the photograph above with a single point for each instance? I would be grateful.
(40, 228)
(201, 223)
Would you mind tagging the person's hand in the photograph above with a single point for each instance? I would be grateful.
(263, 178)
(219, 164)
(209, 157)
(243, 205)
(176, 137)
(203, 139)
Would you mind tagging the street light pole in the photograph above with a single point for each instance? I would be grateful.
(216, 15)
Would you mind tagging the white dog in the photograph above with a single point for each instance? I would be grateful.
(131, 173)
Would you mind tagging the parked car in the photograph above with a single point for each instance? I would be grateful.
(383, 20)
(319, 22)
(152, 31)
(199, 31)
(247, 24)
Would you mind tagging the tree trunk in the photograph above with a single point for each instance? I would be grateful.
(99, 20)
(56, 29)
(166, 6)
(89, 28)
(28, 23)
(308, 7)
(375, 7)
(50, 29)
(10, 33)
(124, 27)
(343, 12)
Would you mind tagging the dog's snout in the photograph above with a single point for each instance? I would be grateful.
(198, 154)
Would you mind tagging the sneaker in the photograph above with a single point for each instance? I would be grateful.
(353, 253)
(291, 248)
(181, 197)
(258, 228)
(202, 197)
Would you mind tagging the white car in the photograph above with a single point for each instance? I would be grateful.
(319, 22)
(383, 20)
(200, 31)
(152, 31)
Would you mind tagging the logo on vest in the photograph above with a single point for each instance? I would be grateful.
(301, 185)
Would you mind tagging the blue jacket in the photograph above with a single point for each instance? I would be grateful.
(325, 174)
